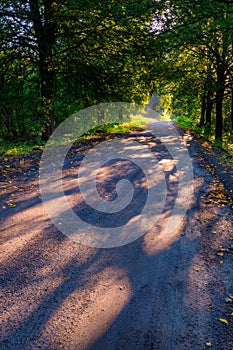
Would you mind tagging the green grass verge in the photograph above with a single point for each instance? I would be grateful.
(22, 148)
(8, 149)
(190, 124)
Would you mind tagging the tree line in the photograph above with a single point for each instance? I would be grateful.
(58, 57)
(195, 67)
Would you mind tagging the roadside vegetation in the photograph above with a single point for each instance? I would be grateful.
(59, 57)
(8, 149)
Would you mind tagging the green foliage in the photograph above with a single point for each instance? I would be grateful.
(108, 129)
(8, 149)
(66, 56)
(194, 67)
(191, 124)
(58, 57)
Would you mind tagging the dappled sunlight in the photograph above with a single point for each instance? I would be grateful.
(92, 310)
(28, 298)
(116, 223)
(35, 286)
(158, 238)
(17, 231)
(187, 138)
(173, 178)
(17, 242)
(168, 165)
(204, 279)
(167, 230)
(64, 295)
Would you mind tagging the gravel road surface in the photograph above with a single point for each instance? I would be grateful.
(161, 292)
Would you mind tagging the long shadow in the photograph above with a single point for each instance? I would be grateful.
(157, 314)
(15, 276)
(24, 335)
(169, 303)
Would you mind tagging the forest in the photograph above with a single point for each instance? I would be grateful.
(60, 56)
(116, 240)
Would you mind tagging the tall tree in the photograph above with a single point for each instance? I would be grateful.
(203, 28)
(57, 35)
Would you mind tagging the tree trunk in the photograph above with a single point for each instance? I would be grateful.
(232, 107)
(220, 88)
(203, 110)
(45, 34)
(47, 100)
(209, 107)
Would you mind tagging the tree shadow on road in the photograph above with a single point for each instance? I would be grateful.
(159, 292)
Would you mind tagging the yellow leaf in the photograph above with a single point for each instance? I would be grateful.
(214, 232)
(223, 320)
(209, 344)
(221, 262)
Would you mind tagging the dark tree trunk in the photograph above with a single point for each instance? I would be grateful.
(232, 107)
(47, 101)
(220, 88)
(203, 110)
(207, 103)
(45, 34)
(209, 107)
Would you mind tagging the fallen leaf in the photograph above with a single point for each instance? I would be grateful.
(223, 320)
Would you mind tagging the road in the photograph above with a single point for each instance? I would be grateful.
(161, 291)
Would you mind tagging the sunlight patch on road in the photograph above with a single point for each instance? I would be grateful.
(137, 211)
(87, 313)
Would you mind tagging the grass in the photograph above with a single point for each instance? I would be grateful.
(190, 124)
(8, 149)
(111, 129)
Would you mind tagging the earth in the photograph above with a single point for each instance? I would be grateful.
(158, 292)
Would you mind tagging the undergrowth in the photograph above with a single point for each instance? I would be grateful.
(227, 143)
(8, 149)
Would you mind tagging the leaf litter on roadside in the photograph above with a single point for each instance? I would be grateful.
(15, 172)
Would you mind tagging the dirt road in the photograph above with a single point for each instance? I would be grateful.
(161, 292)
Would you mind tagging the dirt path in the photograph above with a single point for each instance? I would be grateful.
(160, 292)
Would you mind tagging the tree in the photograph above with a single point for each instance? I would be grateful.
(204, 29)
(95, 41)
